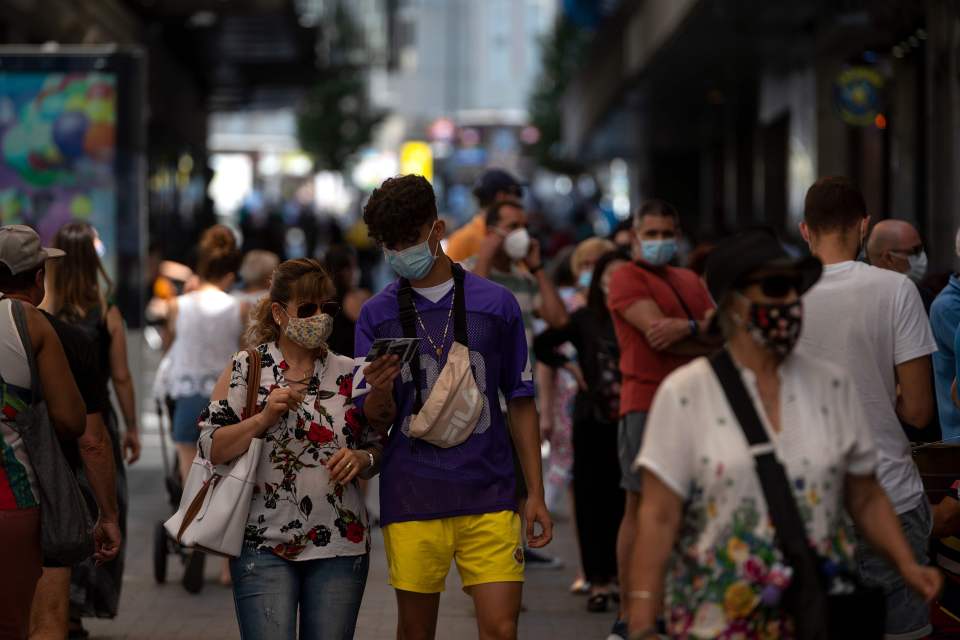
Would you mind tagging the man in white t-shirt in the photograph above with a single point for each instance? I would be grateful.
(872, 322)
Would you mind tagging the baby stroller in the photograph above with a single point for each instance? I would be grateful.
(163, 544)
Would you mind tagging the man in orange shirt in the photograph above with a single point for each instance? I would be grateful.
(493, 186)
(660, 315)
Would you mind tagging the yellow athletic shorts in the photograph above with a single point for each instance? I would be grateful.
(487, 548)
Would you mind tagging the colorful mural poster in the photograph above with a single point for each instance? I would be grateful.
(57, 152)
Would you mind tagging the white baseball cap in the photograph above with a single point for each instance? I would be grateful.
(20, 249)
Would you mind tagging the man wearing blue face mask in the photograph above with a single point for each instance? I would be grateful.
(458, 503)
(659, 313)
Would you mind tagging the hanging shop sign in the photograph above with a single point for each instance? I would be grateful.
(857, 92)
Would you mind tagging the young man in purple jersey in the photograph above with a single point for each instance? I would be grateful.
(458, 503)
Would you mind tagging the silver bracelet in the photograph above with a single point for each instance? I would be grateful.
(372, 459)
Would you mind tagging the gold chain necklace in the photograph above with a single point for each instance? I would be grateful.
(446, 328)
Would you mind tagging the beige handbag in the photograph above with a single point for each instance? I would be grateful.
(455, 403)
(216, 498)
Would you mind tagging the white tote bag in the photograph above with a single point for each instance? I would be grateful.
(216, 498)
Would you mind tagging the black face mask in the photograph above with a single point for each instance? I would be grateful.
(776, 326)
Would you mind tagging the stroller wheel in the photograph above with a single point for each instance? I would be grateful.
(160, 549)
(193, 572)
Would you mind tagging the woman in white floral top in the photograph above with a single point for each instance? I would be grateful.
(711, 560)
(307, 540)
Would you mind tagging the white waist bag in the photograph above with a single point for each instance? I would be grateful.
(216, 501)
(455, 403)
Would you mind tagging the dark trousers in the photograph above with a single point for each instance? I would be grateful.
(598, 497)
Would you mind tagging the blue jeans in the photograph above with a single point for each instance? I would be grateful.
(186, 414)
(908, 616)
(268, 591)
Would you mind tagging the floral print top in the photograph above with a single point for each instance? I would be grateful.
(297, 512)
(727, 573)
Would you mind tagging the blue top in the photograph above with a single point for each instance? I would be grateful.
(419, 481)
(944, 319)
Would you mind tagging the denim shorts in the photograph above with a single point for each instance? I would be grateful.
(268, 591)
(629, 440)
(186, 414)
(908, 616)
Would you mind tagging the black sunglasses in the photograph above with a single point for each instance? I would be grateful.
(777, 286)
(309, 309)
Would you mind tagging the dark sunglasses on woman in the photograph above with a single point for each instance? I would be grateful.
(777, 286)
(310, 309)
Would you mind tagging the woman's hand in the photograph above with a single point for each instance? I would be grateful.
(574, 369)
(381, 373)
(131, 445)
(926, 581)
(280, 401)
(346, 464)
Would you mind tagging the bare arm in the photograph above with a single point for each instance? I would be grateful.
(64, 402)
(170, 326)
(546, 381)
(873, 514)
(552, 309)
(915, 403)
(525, 431)
(120, 370)
(659, 521)
(96, 452)
(380, 408)
(488, 249)
(671, 335)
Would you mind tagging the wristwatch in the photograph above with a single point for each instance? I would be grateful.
(372, 460)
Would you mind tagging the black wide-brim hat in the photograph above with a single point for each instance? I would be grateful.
(738, 256)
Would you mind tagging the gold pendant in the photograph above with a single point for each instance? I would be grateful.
(439, 351)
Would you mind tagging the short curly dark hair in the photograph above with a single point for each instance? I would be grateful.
(397, 210)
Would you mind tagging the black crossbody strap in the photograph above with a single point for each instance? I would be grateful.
(459, 306)
(666, 280)
(806, 597)
(408, 321)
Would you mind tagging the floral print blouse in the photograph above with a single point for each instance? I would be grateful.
(727, 573)
(297, 512)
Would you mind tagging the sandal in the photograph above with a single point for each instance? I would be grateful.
(580, 587)
(598, 603)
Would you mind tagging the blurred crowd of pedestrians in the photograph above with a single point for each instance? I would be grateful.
(729, 423)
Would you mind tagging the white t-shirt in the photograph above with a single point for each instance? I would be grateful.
(868, 321)
(435, 293)
(726, 555)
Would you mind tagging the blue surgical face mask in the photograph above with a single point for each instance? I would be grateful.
(658, 252)
(413, 263)
(585, 279)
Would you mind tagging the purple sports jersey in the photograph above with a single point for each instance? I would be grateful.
(419, 481)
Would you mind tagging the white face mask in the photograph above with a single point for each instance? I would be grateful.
(918, 266)
(517, 244)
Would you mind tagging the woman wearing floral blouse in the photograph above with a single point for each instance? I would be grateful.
(307, 540)
(703, 501)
